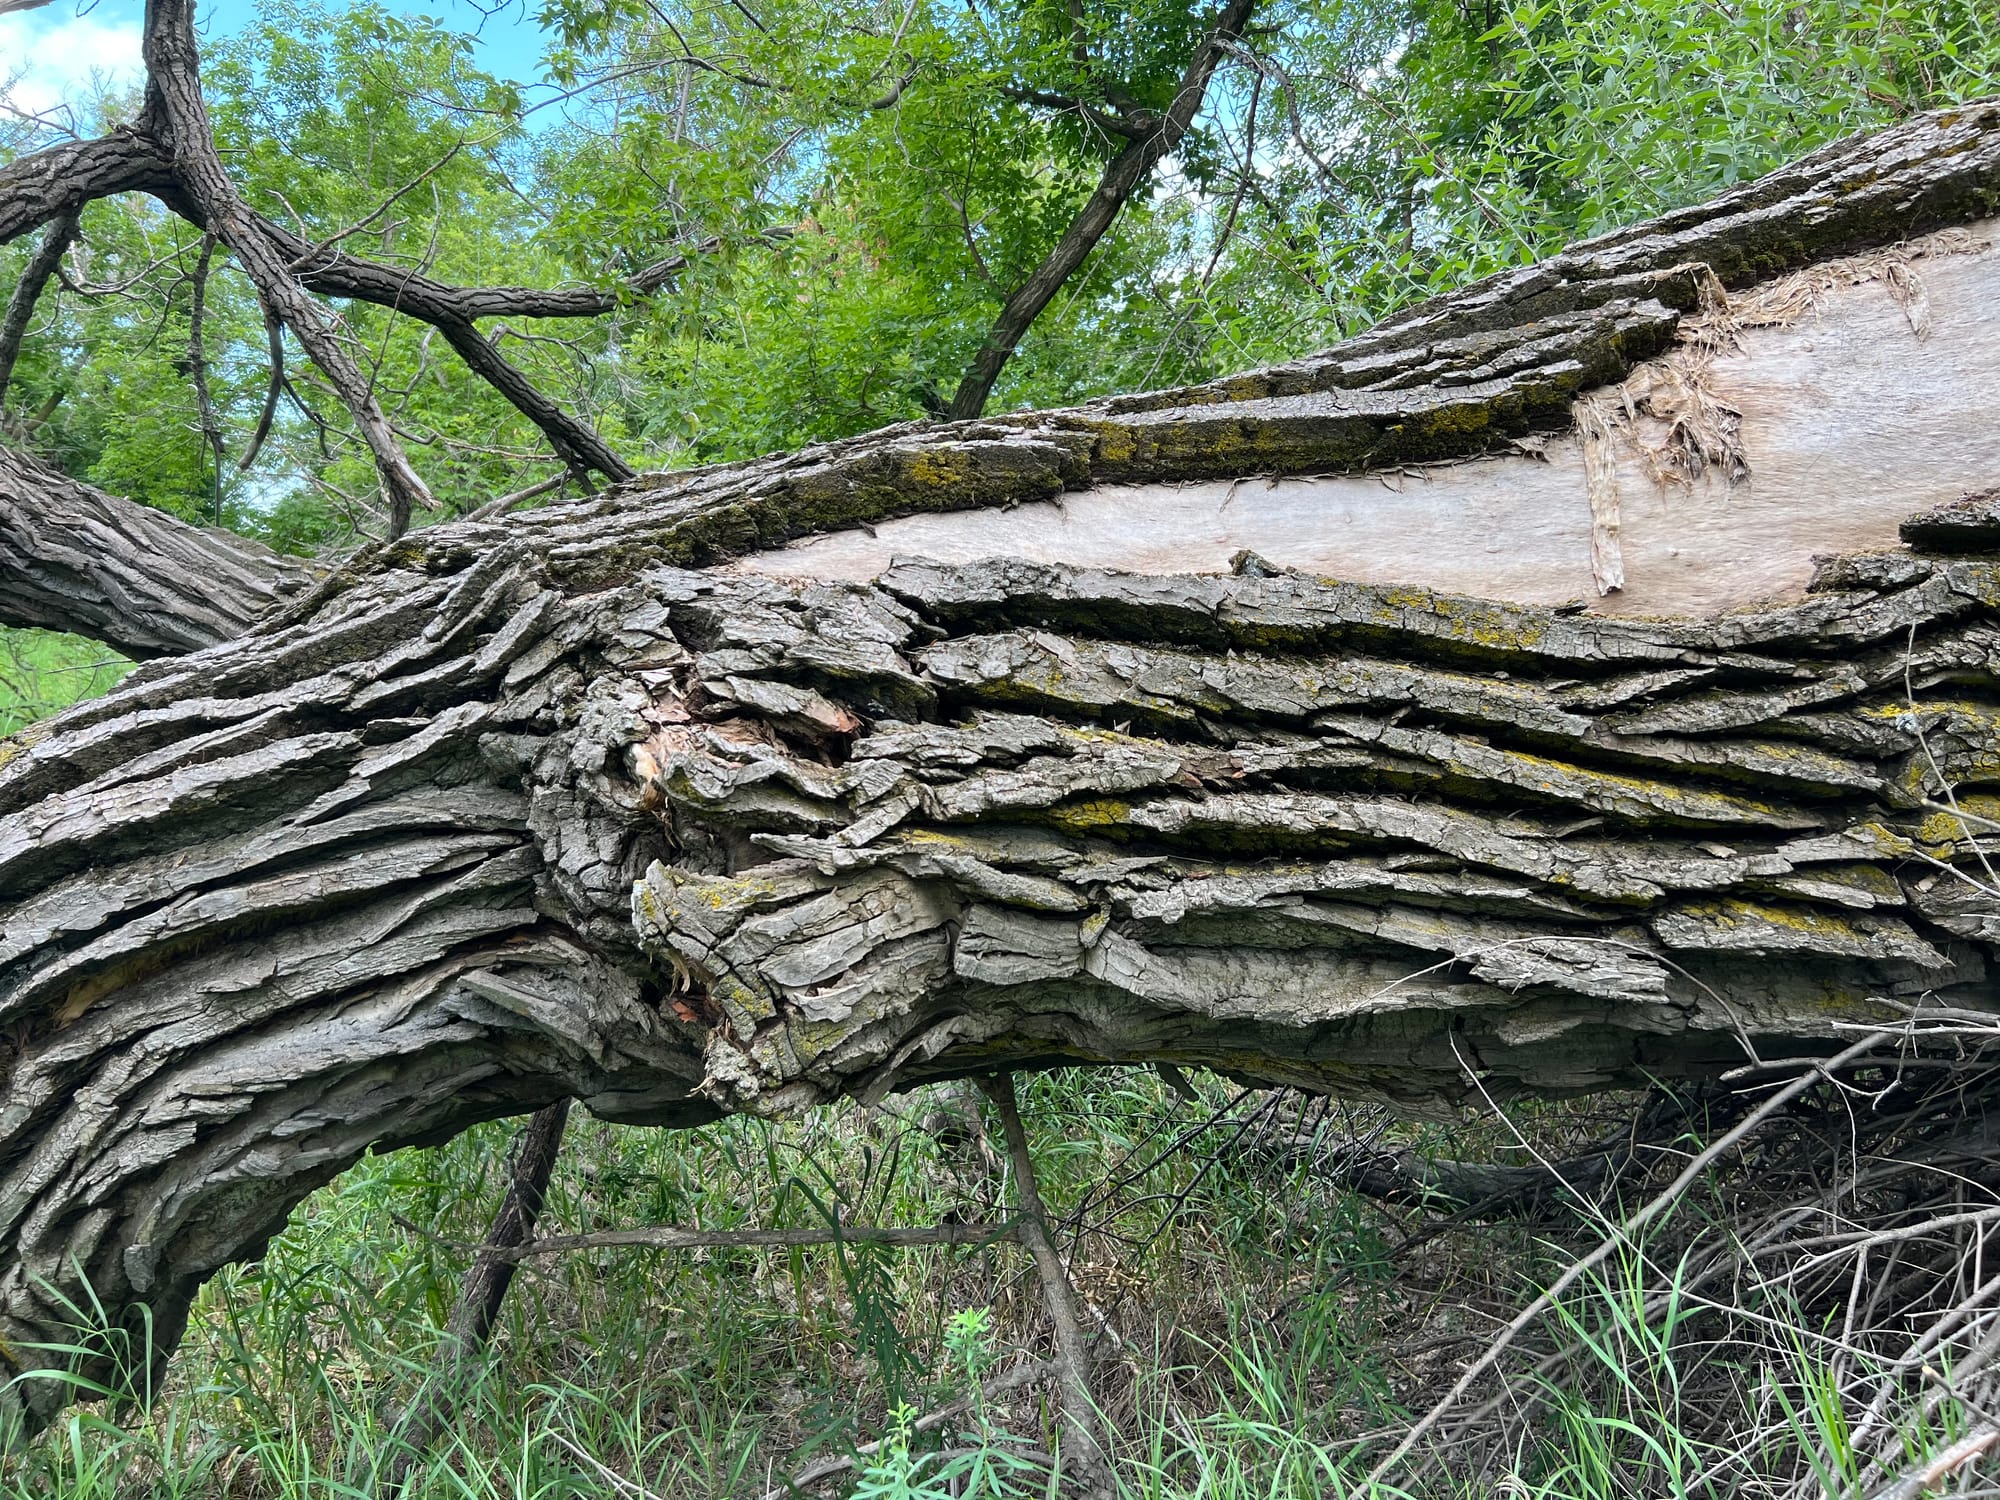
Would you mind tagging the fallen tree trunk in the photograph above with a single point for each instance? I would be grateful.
(627, 800)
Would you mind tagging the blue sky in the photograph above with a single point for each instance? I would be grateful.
(56, 52)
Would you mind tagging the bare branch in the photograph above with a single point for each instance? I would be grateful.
(668, 1237)
(485, 1288)
(28, 291)
(45, 185)
(275, 332)
(1122, 177)
(174, 68)
(1620, 1236)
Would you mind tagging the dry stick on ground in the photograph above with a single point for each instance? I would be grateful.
(1927, 1477)
(28, 291)
(1621, 1235)
(1124, 175)
(1083, 1447)
(484, 1290)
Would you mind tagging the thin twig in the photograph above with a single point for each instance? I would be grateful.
(668, 1237)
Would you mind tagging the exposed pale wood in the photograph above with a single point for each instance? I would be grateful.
(554, 806)
(1851, 423)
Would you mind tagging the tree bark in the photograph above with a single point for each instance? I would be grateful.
(567, 805)
(74, 558)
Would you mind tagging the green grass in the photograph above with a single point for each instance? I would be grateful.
(42, 672)
(1262, 1326)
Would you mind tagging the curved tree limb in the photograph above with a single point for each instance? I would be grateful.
(274, 333)
(46, 185)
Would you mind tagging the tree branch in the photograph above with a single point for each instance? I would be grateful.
(275, 332)
(124, 573)
(21, 306)
(211, 427)
(485, 1289)
(49, 185)
(174, 81)
(1083, 1445)
(1122, 177)
(670, 1237)
(46, 185)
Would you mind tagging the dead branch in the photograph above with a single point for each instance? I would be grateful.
(28, 291)
(1621, 1235)
(275, 332)
(174, 84)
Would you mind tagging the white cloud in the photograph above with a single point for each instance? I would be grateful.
(54, 56)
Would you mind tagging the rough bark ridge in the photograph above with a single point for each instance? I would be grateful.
(552, 806)
(73, 558)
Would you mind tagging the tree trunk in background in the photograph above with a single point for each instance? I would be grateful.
(570, 805)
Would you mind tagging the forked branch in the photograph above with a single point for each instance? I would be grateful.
(1149, 141)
